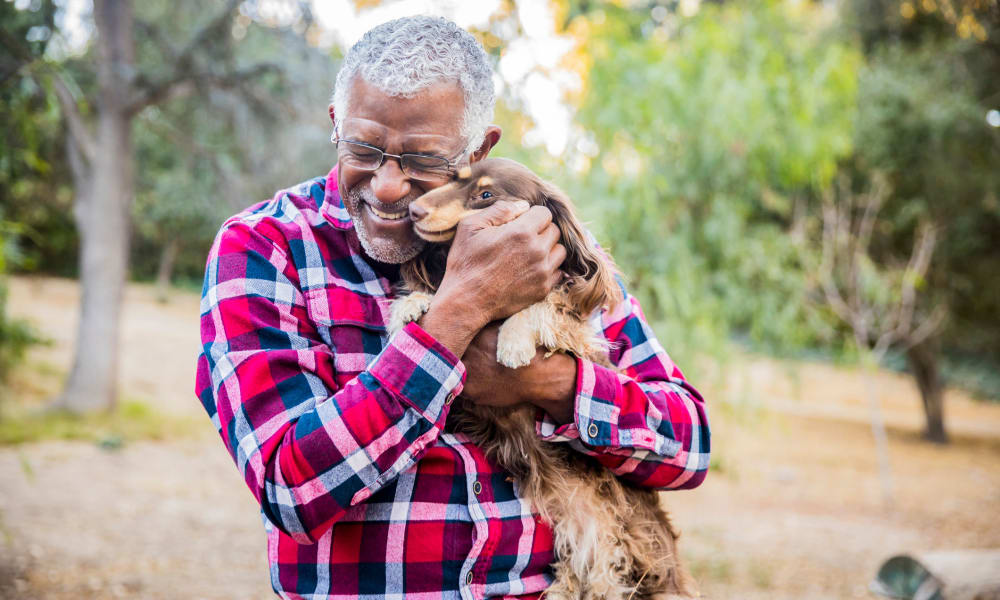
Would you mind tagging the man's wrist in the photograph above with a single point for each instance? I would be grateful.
(452, 322)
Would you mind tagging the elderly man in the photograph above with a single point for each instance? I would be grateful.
(338, 429)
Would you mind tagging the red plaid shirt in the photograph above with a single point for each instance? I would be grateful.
(338, 428)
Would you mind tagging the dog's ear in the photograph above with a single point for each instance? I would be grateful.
(425, 271)
(591, 272)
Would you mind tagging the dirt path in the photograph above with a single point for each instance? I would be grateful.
(792, 508)
(155, 520)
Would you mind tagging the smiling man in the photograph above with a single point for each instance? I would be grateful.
(337, 428)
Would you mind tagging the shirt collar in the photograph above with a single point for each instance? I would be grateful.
(333, 206)
(335, 213)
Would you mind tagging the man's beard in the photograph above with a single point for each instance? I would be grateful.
(381, 249)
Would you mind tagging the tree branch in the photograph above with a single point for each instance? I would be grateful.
(927, 328)
(848, 222)
(182, 85)
(211, 30)
(156, 34)
(82, 136)
(828, 263)
(178, 82)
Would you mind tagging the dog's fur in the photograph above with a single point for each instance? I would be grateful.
(613, 541)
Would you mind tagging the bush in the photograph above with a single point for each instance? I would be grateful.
(709, 138)
(15, 335)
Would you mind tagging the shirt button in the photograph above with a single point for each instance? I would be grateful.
(592, 430)
(449, 398)
(468, 578)
(477, 488)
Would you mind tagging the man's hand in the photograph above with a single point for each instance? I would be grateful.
(548, 383)
(501, 261)
(504, 259)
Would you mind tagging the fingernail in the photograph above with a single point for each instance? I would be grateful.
(521, 205)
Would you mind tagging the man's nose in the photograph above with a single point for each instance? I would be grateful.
(389, 184)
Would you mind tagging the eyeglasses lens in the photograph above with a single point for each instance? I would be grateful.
(425, 168)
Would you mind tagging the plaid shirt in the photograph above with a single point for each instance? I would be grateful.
(338, 428)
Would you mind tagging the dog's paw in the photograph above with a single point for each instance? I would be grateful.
(515, 343)
(560, 589)
(407, 309)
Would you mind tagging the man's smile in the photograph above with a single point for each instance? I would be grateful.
(388, 216)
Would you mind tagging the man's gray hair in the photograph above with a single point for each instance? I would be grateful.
(407, 55)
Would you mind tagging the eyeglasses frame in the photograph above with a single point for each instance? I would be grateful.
(451, 164)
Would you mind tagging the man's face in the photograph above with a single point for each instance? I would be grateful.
(427, 123)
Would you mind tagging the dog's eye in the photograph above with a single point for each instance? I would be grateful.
(486, 195)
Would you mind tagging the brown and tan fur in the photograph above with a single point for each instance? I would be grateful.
(613, 541)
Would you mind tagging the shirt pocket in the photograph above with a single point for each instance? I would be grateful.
(351, 324)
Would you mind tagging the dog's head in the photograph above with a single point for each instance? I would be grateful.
(436, 214)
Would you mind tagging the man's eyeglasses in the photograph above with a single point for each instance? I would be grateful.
(422, 167)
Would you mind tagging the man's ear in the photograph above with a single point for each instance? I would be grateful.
(333, 119)
(492, 137)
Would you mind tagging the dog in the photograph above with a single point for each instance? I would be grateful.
(613, 541)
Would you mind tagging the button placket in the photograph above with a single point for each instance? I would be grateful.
(477, 511)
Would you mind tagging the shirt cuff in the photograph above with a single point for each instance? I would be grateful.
(420, 371)
(549, 430)
(596, 418)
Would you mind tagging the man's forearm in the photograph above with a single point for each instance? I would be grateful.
(552, 387)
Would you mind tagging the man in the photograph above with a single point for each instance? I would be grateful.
(338, 429)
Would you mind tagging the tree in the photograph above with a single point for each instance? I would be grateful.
(879, 303)
(100, 151)
(924, 93)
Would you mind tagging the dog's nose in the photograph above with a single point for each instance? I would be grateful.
(417, 212)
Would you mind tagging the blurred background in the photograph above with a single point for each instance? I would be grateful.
(805, 196)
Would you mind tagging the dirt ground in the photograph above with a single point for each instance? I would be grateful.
(791, 509)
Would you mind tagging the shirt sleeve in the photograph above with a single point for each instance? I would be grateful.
(642, 420)
(306, 449)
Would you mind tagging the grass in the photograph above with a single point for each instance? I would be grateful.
(713, 568)
(24, 417)
(132, 420)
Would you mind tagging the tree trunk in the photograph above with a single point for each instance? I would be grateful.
(878, 432)
(102, 218)
(164, 273)
(924, 365)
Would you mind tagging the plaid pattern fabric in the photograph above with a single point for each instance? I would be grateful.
(337, 428)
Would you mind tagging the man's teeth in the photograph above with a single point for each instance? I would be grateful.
(389, 216)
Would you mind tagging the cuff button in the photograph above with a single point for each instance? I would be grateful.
(449, 398)
(592, 430)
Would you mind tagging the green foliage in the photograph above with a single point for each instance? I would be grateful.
(709, 136)
(200, 157)
(921, 123)
(34, 189)
(207, 156)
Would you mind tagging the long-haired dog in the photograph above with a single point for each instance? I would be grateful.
(613, 541)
